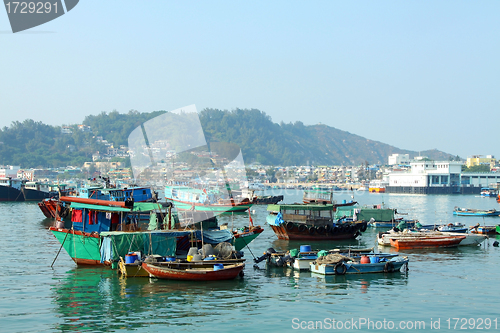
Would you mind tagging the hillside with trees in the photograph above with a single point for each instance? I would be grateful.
(33, 144)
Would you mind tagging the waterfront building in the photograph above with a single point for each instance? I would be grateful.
(432, 177)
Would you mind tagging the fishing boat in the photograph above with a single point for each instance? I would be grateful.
(189, 198)
(300, 260)
(377, 186)
(384, 238)
(35, 191)
(189, 271)
(10, 189)
(103, 231)
(489, 192)
(475, 212)
(52, 207)
(376, 215)
(453, 227)
(310, 222)
(359, 267)
(484, 229)
(425, 242)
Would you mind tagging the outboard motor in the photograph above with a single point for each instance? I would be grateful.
(266, 255)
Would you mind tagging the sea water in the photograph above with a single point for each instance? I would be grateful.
(444, 290)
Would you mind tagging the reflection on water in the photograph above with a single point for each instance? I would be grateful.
(99, 299)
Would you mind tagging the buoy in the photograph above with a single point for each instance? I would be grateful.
(365, 260)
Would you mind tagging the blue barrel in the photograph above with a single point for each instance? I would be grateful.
(131, 257)
(169, 259)
(374, 260)
(305, 248)
(218, 267)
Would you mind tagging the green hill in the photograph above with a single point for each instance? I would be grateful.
(34, 144)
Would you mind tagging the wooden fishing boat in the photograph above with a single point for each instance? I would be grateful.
(426, 242)
(384, 238)
(305, 259)
(475, 212)
(190, 272)
(53, 208)
(309, 222)
(352, 267)
(485, 229)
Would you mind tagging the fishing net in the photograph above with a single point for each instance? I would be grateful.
(224, 250)
(332, 258)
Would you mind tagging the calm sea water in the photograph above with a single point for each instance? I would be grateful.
(441, 284)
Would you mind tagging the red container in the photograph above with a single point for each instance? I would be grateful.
(365, 260)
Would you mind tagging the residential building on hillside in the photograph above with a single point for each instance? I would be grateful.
(479, 160)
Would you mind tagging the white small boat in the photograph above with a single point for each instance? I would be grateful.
(450, 227)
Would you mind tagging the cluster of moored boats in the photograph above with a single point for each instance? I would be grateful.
(130, 230)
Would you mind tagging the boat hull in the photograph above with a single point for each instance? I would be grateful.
(82, 247)
(229, 272)
(283, 232)
(243, 239)
(8, 193)
(426, 242)
(469, 240)
(357, 268)
(35, 195)
(485, 230)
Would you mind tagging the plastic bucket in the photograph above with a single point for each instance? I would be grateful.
(192, 251)
(189, 258)
(169, 259)
(131, 258)
(218, 267)
(305, 248)
(374, 260)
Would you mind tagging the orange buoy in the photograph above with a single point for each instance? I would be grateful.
(365, 260)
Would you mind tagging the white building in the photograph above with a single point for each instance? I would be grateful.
(439, 178)
(396, 159)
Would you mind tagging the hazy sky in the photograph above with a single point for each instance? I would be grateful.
(414, 74)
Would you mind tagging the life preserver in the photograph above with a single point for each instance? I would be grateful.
(340, 268)
(389, 267)
(302, 228)
(321, 230)
(364, 226)
(289, 226)
(334, 231)
(328, 228)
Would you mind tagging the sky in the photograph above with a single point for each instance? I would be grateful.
(417, 75)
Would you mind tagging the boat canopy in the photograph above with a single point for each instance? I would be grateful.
(138, 207)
